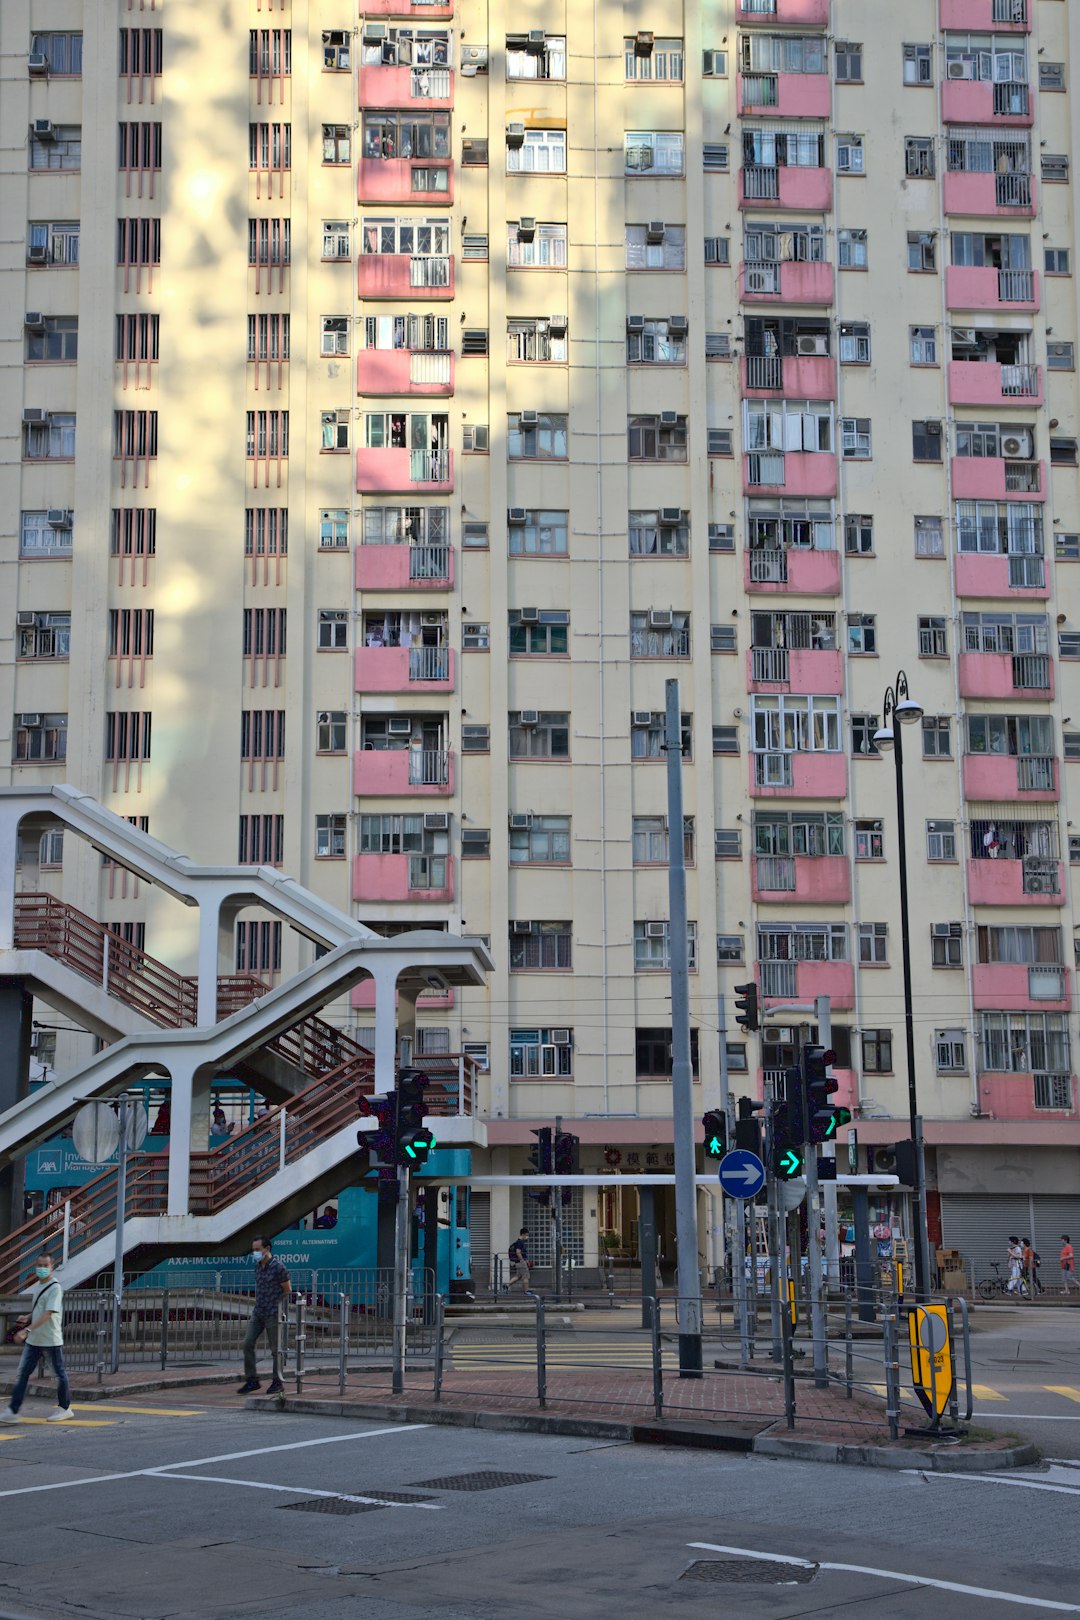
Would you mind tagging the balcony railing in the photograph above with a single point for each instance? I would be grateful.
(1026, 573)
(773, 770)
(760, 90)
(1046, 982)
(1012, 190)
(429, 466)
(760, 183)
(759, 8)
(429, 270)
(1016, 286)
(431, 83)
(429, 663)
(1053, 1091)
(764, 371)
(771, 663)
(1009, 11)
(761, 277)
(1011, 100)
(1023, 477)
(429, 562)
(776, 872)
(1041, 877)
(768, 566)
(1031, 672)
(1035, 773)
(778, 980)
(429, 367)
(429, 767)
(427, 871)
(765, 467)
(1020, 382)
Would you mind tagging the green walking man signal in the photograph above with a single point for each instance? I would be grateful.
(715, 1127)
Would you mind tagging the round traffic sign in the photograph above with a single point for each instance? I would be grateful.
(741, 1174)
(95, 1132)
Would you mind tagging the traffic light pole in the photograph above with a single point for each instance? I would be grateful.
(401, 1278)
(828, 1191)
(734, 1247)
(556, 1214)
(688, 1307)
(813, 1253)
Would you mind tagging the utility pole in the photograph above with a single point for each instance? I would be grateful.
(688, 1287)
(121, 1216)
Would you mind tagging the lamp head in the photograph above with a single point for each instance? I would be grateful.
(884, 739)
(907, 711)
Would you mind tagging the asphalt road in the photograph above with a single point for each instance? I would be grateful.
(1026, 1373)
(175, 1512)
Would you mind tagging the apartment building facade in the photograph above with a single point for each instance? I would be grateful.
(395, 398)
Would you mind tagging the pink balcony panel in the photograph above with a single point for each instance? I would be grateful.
(1012, 1096)
(797, 95)
(833, 979)
(970, 101)
(984, 287)
(788, 283)
(978, 16)
(808, 573)
(404, 371)
(403, 773)
(991, 478)
(807, 670)
(808, 190)
(391, 180)
(978, 575)
(394, 568)
(973, 382)
(1006, 675)
(363, 994)
(1006, 196)
(824, 879)
(1020, 986)
(392, 669)
(400, 275)
(387, 877)
(379, 471)
(813, 776)
(395, 86)
(1030, 882)
(798, 376)
(804, 472)
(790, 13)
(999, 778)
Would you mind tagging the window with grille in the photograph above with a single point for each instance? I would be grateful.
(261, 840)
(60, 148)
(262, 734)
(127, 734)
(258, 947)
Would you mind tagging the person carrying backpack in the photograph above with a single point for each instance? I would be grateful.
(40, 1332)
(519, 1260)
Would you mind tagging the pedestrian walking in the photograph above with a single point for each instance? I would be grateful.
(1067, 1262)
(521, 1264)
(272, 1286)
(39, 1333)
(1032, 1262)
(1015, 1254)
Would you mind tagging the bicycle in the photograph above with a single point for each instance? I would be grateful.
(989, 1287)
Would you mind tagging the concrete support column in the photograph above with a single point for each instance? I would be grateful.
(16, 1011)
(9, 856)
(209, 961)
(385, 977)
(181, 1098)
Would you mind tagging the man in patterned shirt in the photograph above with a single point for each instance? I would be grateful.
(272, 1285)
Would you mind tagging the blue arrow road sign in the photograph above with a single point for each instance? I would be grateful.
(742, 1174)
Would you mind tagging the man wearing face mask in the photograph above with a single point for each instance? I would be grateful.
(272, 1285)
(42, 1331)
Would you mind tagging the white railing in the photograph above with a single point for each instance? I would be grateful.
(429, 767)
(1012, 190)
(1035, 773)
(1046, 982)
(773, 770)
(429, 466)
(429, 270)
(764, 371)
(761, 277)
(760, 89)
(1009, 11)
(768, 566)
(758, 8)
(770, 663)
(761, 183)
(429, 367)
(429, 663)
(1020, 382)
(776, 872)
(778, 980)
(1011, 100)
(1026, 573)
(1016, 286)
(1053, 1091)
(1031, 672)
(765, 467)
(430, 83)
(429, 562)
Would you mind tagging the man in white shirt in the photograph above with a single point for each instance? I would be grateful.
(43, 1332)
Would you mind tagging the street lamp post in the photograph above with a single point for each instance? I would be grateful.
(900, 707)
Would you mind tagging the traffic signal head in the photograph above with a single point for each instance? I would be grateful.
(746, 1006)
(795, 1112)
(416, 1147)
(826, 1123)
(565, 1151)
(819, 1086)
(412, 1142)
(715, 1126)
(747, 1127)
(788, 1158)
(541, 1157)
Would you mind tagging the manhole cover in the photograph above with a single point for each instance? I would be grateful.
(486, 1480)
(330, 1504)
(747, 1572)
(396, 1496)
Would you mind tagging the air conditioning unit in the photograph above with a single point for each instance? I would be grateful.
(59, 517)
(656, 930)
(671, 516)
(678, 325)
(25, 620)
(475, 56)
(37, 253)
(817, 343)
(34, 320)
(517, 515)
(33, 417)
(537, 39)
(375, 33)
(529, 615)
(947, 930)
(521, 927)
(635, 323)
(1017, 445)
(437, 821)
(641, 719)
(468, 70)
(399, 726)
(654, 231)
(643, 42)
(526, 229)
(324, 717)
(669, 418)
(1058, 348)
(557, 325)
(959, 70)
(37, 64)
(965, 334)
(44, 130)
(29, 720)
(529, 718)
(660, 619)
(883, 1161)
(521, 823)
(528, 418)
(560, 1037)
(934, 429)
(515, 134)
(1035, 882)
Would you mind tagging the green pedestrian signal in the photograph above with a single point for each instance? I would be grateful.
(715, 1128)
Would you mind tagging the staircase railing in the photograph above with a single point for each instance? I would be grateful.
(91, 1215)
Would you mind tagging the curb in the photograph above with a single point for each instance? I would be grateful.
(149, 1386)
(936, 1462)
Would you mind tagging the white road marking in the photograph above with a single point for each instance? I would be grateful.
(1031, 1417)
(893, 1575)
(200, 1462)
(297, 1490)
(1000, 1479)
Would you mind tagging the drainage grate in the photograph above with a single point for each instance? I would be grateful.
(486, 1480)
(330, 1504)
(747, 1572)
(396, 1496)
